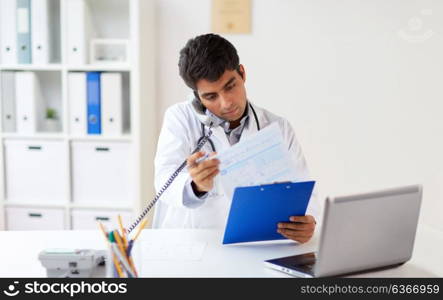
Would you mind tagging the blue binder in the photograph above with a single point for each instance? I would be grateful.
(94, 105)
(24, 32)
(256, 210)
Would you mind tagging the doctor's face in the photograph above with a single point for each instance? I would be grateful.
(226, 97)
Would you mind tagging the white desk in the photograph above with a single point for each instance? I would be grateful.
(19, 254)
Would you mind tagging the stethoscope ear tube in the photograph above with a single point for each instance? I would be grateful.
(255, 116)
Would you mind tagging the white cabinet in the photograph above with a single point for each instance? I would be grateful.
(101, 172)
(55, 167)
(36, 171)
(24, 218)
(87, 219)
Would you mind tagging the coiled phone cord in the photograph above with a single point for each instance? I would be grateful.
(169, 182)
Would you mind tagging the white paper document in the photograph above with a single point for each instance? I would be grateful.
(262, 158)
(173, 251)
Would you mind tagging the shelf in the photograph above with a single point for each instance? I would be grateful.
(30, 67)
(99, 138)
(37, 136)
(100, 206)
(59, 136)
(33, 204)
(93, 206)
(58, 67)
(104, 67)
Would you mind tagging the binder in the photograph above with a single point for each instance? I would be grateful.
(256, 210)
(112, 103)
(94, 102)
(78, 31)
(7, 88)
(8, 32)
(29, 104)
(41, 43)
(77, 101)
(24, 31)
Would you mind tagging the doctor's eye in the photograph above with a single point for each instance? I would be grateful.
(230, 87)
(210, 97)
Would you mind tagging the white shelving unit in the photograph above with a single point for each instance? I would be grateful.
(111, 19)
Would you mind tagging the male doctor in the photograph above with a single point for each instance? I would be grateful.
(210, 66)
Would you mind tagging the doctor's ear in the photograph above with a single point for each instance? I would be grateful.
(241, 71)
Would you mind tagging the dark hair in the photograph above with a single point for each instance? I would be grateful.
(207, 57)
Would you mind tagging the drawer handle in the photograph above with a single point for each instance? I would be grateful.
(35, 215)
(35, 147)
(101, 218)
(101, 149)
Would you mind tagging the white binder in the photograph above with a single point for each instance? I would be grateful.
(8, 31)
(29, 103)
(7, 88)
(41, 38)
(77, 99)
(78, 31)
(112, 104)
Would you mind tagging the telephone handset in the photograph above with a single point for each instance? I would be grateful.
(199, 111)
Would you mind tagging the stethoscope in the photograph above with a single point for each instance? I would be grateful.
(203, 130)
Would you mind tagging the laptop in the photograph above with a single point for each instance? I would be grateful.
(360, 232)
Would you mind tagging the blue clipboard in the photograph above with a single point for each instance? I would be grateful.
(256, 210)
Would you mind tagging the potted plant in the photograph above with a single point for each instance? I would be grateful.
(51, 120)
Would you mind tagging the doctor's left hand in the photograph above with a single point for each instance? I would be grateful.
(299, 229)
(203, 174)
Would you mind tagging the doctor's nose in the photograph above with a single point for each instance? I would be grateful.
(226, 102)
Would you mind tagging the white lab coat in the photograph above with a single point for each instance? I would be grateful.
(178, 138)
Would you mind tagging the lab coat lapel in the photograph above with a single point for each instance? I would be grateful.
(251, 128)
(220, 139)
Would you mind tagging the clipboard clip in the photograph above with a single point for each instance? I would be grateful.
(276, 182)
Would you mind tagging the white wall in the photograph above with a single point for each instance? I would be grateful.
(360, 81)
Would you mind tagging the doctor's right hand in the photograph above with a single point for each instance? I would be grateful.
(203, 173)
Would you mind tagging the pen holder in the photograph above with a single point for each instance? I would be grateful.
(119, 261)
(119, 258)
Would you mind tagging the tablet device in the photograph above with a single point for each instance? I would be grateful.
(256, 210)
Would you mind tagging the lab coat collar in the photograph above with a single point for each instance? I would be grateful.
(225, 124)
(250, 127)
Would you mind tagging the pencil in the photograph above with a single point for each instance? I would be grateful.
(117, 265)
(139, 230)
(131, 263)
(120, 223)
(119, 241)
(114, 258)
(102, 228)
(123, 253)
(123, 261)
(114, 255)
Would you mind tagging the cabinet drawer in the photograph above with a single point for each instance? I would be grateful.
(87, 219)
(102, 172)
(36, 171)
(23, 218)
